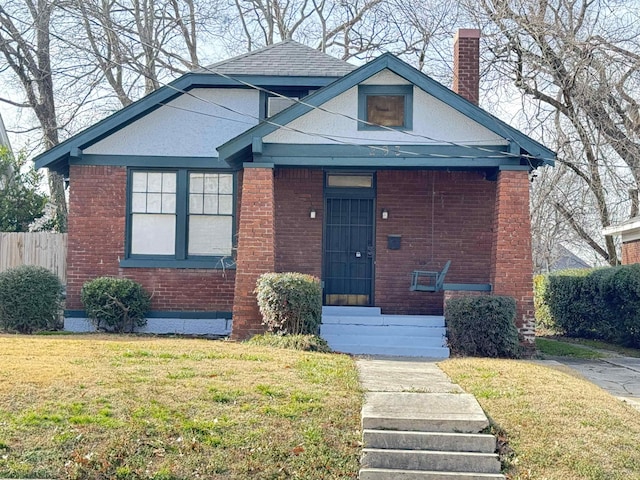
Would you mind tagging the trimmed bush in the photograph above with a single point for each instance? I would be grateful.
(115, 304)
(30, 300)
(290, 303)
(602, 304)
(483, 326)
(305, 343)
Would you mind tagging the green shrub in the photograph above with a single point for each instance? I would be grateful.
(290, 302)
(115, 304)
(625, 302)
(306, 343)
(30, 299)
(560, 295)
(483, 326)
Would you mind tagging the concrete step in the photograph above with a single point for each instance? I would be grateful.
(391, 474)
(434, 441)
(376, 330)
(389, 340)
(392, 351)
(430, 461)
(423, 412)
(406, 320)
(350, 311)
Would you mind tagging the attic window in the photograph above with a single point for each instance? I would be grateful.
(385, 106)
(278, 104)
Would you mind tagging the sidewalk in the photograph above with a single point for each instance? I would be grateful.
(618, 375)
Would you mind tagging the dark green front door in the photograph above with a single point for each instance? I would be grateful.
(348, 251)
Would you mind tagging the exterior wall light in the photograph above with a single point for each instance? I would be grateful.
(312, 213)
(384, 214)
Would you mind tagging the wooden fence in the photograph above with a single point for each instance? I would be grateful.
(46, 249)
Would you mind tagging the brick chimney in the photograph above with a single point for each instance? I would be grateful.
(466, 64)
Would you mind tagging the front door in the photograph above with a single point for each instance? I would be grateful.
(348, 250)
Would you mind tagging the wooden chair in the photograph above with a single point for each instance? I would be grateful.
(431, 281)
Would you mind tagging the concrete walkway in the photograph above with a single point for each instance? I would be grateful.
(398, 389)
(618, 375)
(417, 424)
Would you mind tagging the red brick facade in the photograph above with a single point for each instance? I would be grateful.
(511, 265)
(631, 252)
(466, 64)
(481, 226)
(441, 216)
(97, 215)
(256, 248)
(299, 237)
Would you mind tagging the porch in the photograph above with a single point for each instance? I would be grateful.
(364, 242)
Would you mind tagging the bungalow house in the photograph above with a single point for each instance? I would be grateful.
(287, 159)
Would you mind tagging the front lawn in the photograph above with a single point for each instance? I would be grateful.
(559, 426)
(118, 407)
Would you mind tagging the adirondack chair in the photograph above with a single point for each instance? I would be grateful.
(424, 281)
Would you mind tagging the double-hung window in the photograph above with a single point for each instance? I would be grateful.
(180, 217)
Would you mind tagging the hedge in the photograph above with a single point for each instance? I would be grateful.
(602, 304)
(483, 326)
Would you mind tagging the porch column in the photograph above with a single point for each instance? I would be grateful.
(512, 266)
(256, 248)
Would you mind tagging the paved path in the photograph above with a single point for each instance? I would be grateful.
(620, 376)
(400, 390)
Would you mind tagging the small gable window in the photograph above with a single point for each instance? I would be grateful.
(178, 217)
(385, 106)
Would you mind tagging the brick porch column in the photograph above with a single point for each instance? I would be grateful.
(512, 266)
(256, 248)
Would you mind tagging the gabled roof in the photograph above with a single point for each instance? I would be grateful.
(241, 145)
(288, 64)
(288, 58)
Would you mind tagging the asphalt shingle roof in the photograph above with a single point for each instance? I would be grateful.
(288, 58)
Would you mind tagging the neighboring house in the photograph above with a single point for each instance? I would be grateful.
(205, 184)
(629, 232)
(4, 139)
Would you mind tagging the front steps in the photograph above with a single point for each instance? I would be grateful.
(422, 436)
(365, 330)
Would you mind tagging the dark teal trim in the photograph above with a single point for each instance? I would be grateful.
(213, 263)
(514, 167)
(163, 314)
(151, 161)
(390, 151)
(181, 258)
(237, 147)
(365, 91)
(467, 287)
(382, 162)
(57, 156)
(258, 165)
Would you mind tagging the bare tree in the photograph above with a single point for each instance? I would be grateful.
(347, 29)
(25, 43)
(574, 60)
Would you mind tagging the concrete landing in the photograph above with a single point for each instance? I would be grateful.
(423, 412)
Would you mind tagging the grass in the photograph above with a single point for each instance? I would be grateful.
(558, 348)
(600, 345)
(559, 426)
(118, 407)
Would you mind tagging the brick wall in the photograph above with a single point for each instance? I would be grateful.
(466, 64)
(441, 216)
(97, 208)
(299, 237)
(631, 252)
(512, 269)
(256, 248)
